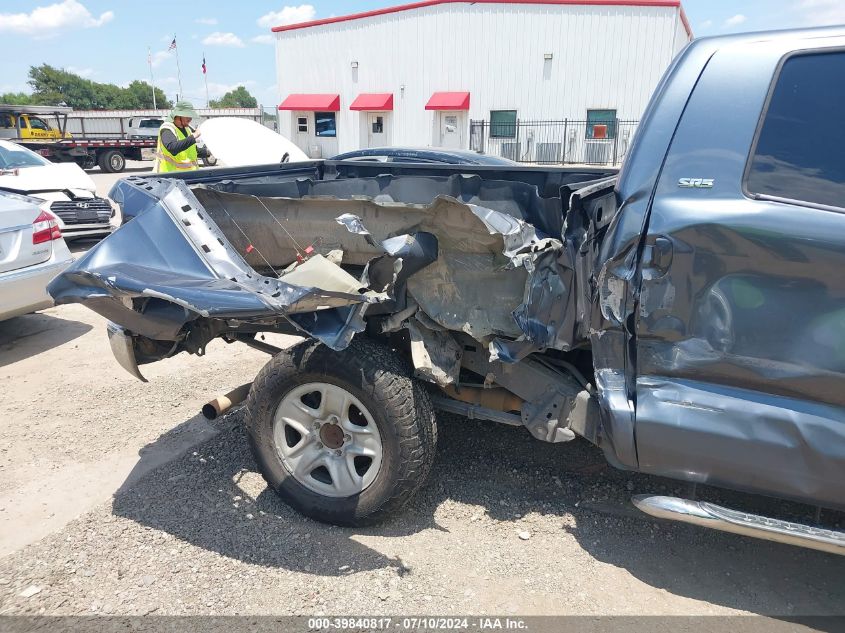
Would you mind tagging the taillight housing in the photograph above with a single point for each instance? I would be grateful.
(45, 228)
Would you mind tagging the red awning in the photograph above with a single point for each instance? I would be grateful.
(311, 102)
(373, 101)
(448, 101)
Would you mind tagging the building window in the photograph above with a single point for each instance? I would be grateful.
(302, 124)
(378, 125)
(798, 155)
(601, 124)
(503, 123)
(325, 123)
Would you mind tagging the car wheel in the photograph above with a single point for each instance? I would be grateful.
(344, 437)
(112, 161)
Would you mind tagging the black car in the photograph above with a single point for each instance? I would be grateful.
(423, 155)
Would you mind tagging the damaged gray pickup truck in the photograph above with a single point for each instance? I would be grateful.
(687, 315)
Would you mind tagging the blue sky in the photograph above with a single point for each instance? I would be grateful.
(107, 40)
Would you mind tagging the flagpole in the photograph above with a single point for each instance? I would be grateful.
(152, 81)
(178, 70)
(205, 75)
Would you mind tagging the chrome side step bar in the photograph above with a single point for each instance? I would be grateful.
(718, 518)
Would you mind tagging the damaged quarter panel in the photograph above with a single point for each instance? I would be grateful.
(741, 316)
(615, 261)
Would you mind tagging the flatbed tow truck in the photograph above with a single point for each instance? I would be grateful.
(28, 126)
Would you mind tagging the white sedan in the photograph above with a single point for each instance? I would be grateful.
(68, 191)
(32, 252)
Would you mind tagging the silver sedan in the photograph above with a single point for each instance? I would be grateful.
(32, 252)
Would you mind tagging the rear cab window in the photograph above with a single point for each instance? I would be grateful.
(799, 153)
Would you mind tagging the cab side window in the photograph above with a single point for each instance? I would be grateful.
(37, 124)
(800, 151)
(6, 121)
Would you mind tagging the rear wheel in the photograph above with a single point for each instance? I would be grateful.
(112, 161)
(344, 437)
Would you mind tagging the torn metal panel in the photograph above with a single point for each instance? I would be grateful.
(173, 255)
(550, 395)
(470, 268)
(319, 272)
(479, 277)
(435, 353)
(518, 199)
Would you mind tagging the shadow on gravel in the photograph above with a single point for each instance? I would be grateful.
(29, 335)
(201, 498)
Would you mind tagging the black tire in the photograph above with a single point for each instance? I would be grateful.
(112, 161)
(399, 404)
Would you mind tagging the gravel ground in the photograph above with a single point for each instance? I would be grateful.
(105, 181)
(175, 519)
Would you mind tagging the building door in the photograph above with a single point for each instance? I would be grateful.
(451, 126)
(377, 131)
(302, 130)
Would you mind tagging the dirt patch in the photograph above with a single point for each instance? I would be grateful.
(133, 505)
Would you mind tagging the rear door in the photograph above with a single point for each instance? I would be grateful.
(741, 326)
(17, 215)
(376, 132)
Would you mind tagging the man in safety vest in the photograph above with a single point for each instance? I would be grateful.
(177, 141)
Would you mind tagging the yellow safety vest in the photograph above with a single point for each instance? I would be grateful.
(183, 161)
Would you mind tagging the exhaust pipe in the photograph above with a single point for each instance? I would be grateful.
(221, 404)
(716, 517)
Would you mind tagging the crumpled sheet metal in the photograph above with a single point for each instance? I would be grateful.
(478, 279)
(476, 270)
(519, 199)
(150, 258)
(474, 291)
(435, 353)
(470, 268)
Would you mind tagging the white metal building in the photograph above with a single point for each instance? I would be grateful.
(417, 74)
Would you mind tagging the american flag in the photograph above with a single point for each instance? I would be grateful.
(172, 44)
(203, 64)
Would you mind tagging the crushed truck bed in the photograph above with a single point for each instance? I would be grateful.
(433, 255)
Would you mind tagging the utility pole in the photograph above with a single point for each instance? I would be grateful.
(178, 69)
(152, 81)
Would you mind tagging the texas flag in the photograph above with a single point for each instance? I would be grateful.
(203, 64)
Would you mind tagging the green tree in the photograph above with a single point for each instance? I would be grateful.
(16, 98)
(55, 86)
(143, 94)
(237, 98)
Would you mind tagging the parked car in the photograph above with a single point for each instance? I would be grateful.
(423, 155)
(65, 189)
(32, 252)
(144, 127)
(687, 317)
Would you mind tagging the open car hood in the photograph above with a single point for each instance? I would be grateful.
(52, 177)
(239, 142)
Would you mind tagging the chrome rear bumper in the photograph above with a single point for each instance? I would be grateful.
(122, 346)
